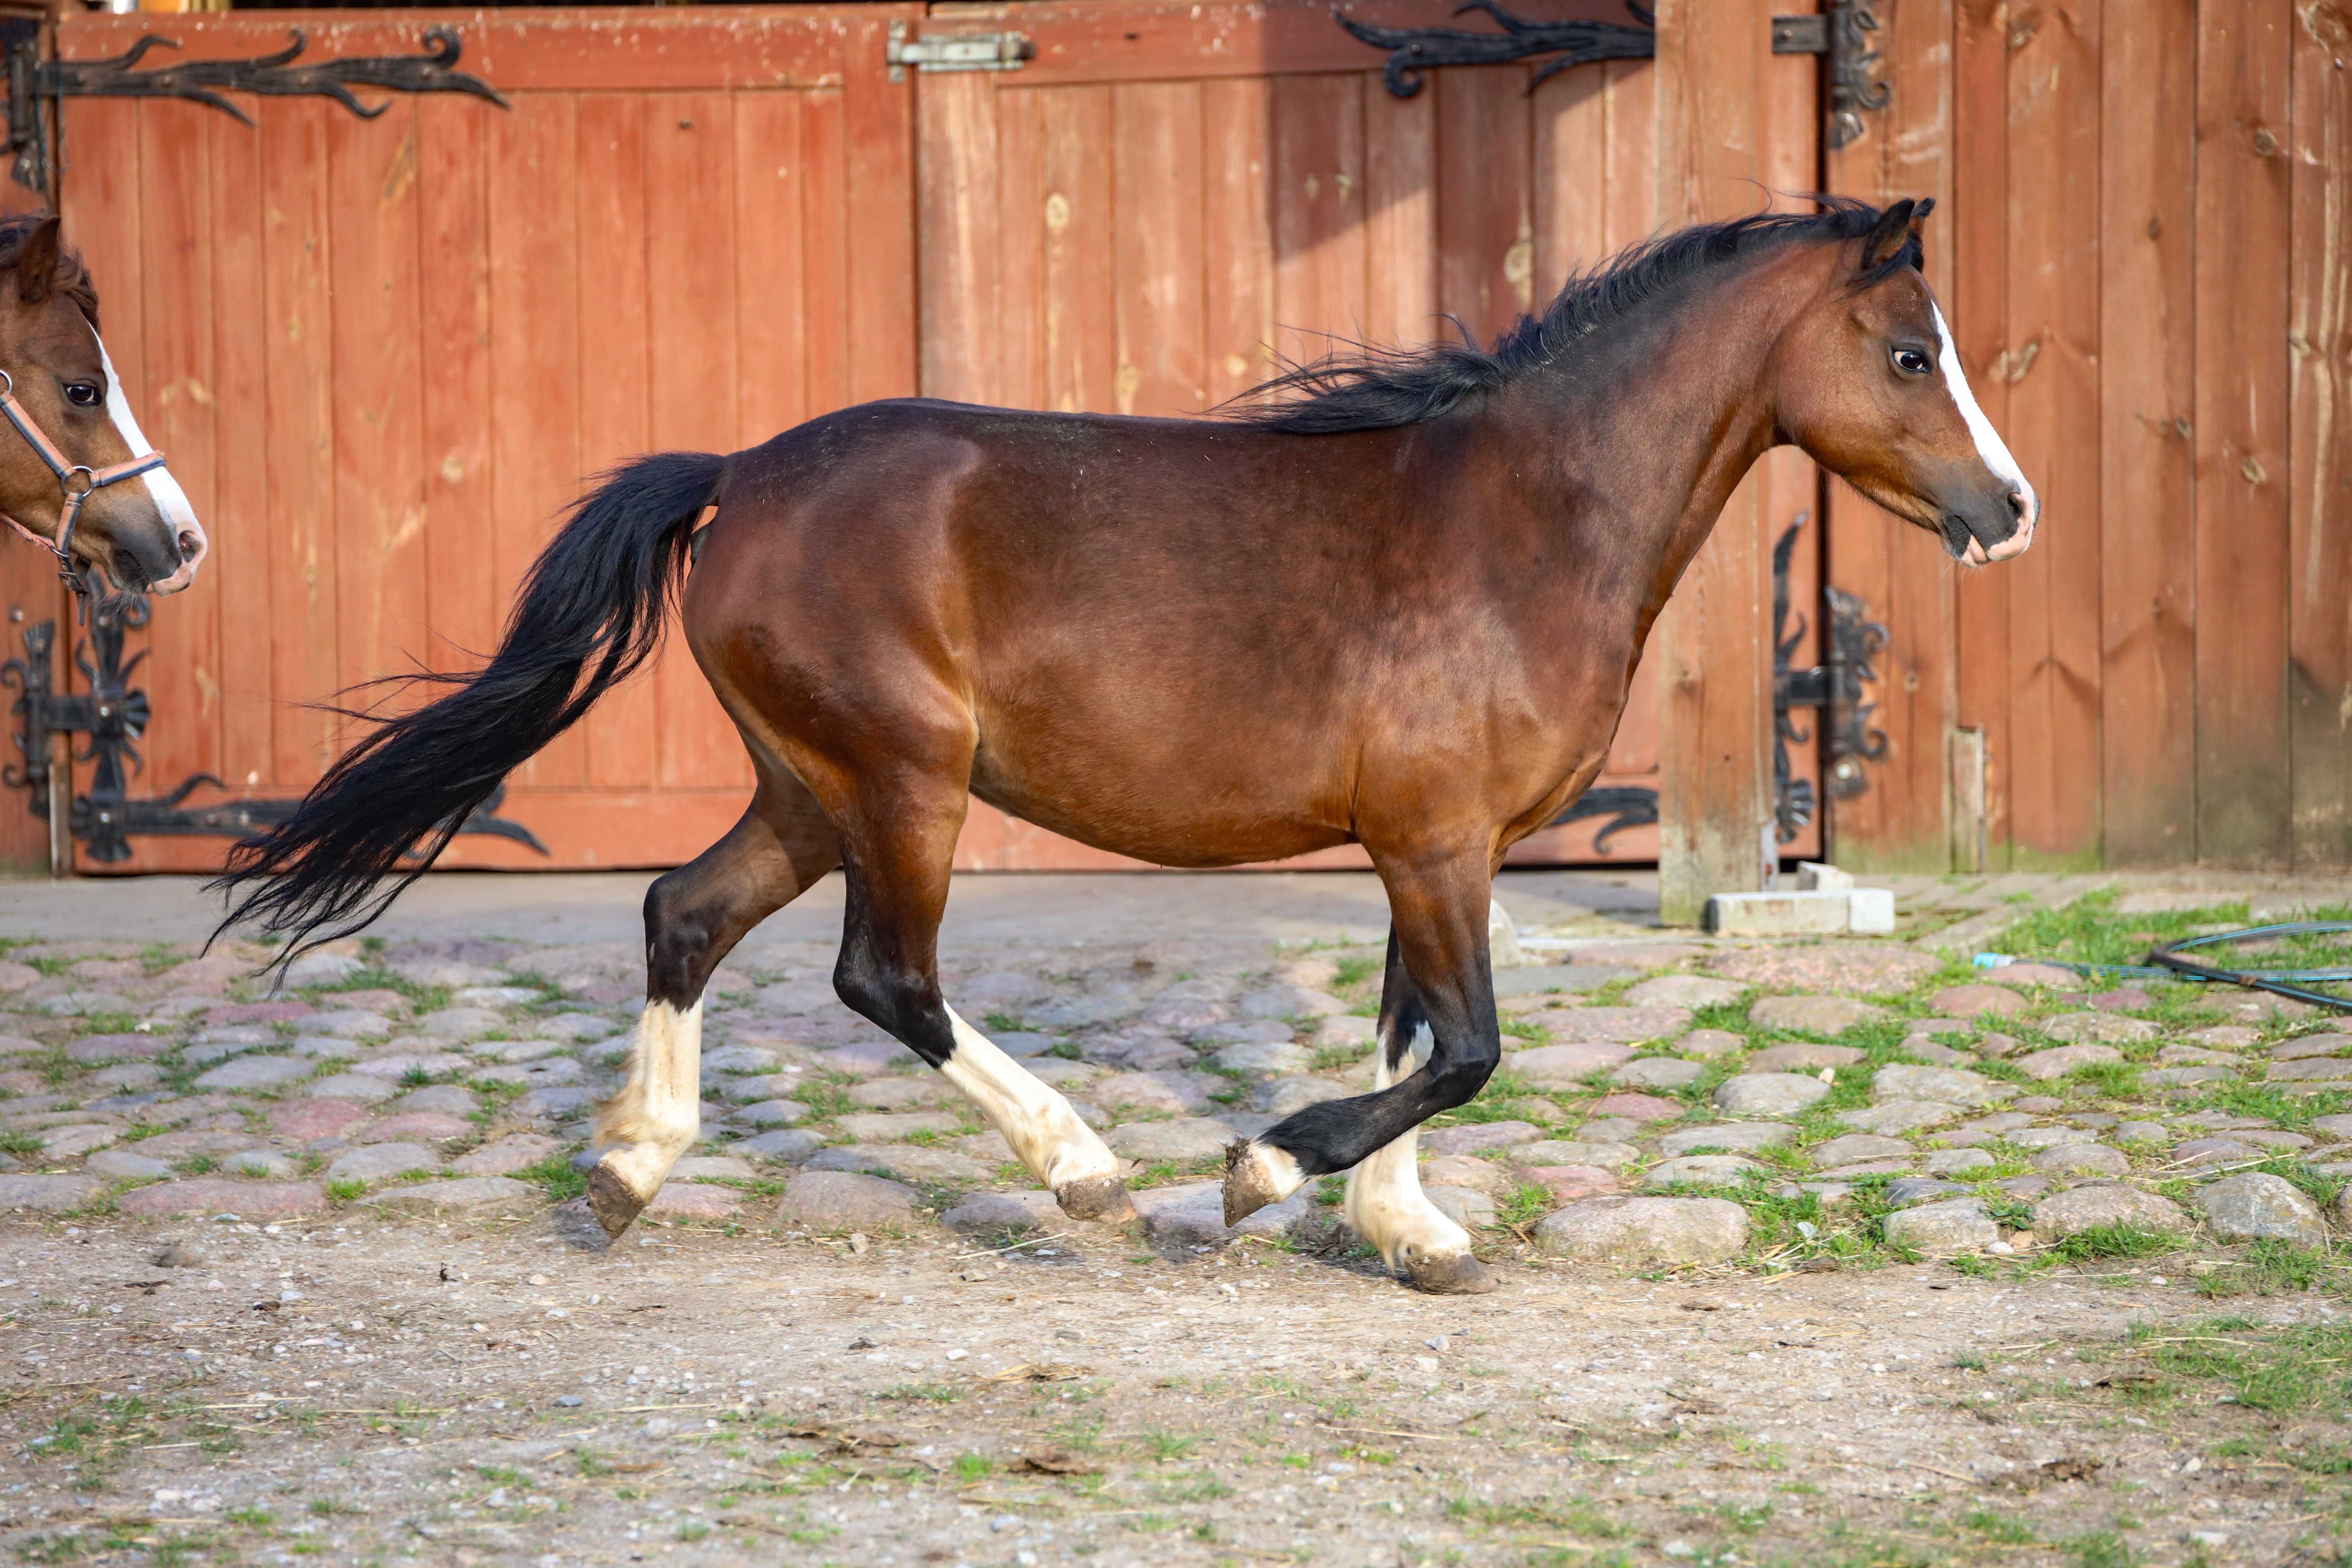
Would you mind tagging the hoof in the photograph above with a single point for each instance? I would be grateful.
(1456, 1275)
(1249, 1186)
(611, 1201)
(1102, 1198)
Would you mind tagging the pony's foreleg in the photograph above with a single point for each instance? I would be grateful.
(694, 917)
(1447, 1023)
(1385, 1205)
(896, 864)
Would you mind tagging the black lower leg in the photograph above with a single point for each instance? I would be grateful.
(879, 978)
(1437, 974)
(696, 914)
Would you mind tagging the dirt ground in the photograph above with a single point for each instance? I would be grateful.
(357, 1384)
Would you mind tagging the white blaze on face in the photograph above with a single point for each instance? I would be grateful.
(1990, 446)
(170, 501)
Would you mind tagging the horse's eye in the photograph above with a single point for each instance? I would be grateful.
(84, 393)
(1911, 361)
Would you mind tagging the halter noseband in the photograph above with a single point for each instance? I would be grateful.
(74, 494)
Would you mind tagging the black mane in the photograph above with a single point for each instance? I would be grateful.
(1377, 389)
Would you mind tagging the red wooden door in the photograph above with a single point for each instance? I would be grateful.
(382, 353)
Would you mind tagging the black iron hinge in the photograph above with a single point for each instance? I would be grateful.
(1843, 34)
(1834, 689)
(114, 715)
(33, 81)
(1413, 50)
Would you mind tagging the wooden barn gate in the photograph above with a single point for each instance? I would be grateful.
(383, 352)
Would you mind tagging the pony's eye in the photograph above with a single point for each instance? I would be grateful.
(1911, 361)
(84, 393)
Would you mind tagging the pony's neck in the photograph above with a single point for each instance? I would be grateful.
(1663, 412)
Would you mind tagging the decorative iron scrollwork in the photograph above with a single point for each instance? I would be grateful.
(1841, 33)
(113, 716)
(31, 80)
(1835, 689)
(1625, 805)
(1413, 50)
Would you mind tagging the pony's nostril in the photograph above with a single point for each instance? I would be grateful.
(192, 544)
(2017, 505)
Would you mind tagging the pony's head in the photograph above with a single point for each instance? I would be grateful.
(141, 532)
(1869, 384)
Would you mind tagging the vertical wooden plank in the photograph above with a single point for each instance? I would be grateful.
(2243, 225)
(824, 310)
(772, 276)
(1318, 213)
(536, 360)
(1236, 235)
(689, 254)
(1021, 249)
(456, 218)
(1978, 313)
(1572, 164)
(880, 148)
(959, 209)
(616, 377)
(2053, 428)
(2148, 525)
(1156, 255)
(235, 568)
(182, 674)
(1081, 352)
(1485, 209)
(1400, 215)
(298, 421)
(2320, 407)
(1905, 151)
(1713, 670)
(371, 214)
(1630, 204)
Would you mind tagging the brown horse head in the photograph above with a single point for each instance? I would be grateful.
(1870, 385)
(141, 531)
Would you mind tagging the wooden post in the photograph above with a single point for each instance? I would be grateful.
(1713, 663)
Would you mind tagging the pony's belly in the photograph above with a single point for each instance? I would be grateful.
(1161, 822)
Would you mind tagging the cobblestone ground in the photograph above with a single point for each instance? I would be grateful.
(1832, 1251)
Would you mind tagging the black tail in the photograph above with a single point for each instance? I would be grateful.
(591, 612)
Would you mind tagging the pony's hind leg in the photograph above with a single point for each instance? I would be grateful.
(896, 856)
(694, 917)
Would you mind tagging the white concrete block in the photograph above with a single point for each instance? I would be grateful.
(1872, 910)
(1814, 877)
(1776, 914)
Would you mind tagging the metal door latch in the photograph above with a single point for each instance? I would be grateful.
(956, 51)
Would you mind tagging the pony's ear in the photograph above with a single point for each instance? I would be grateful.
(37, 261)
(1892, 236)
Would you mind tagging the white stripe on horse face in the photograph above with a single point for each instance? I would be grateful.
(1990, 446)
(170, 501)
(1045, 1133)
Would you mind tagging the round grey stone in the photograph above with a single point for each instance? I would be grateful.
(1633, 1231)
(1658, 1072)
(1737, 1137)
(1768, 1094)
(1954, 1226)
(828, 1201)
(1702, 1170)
(1187, 1141)
(2258, 1206)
